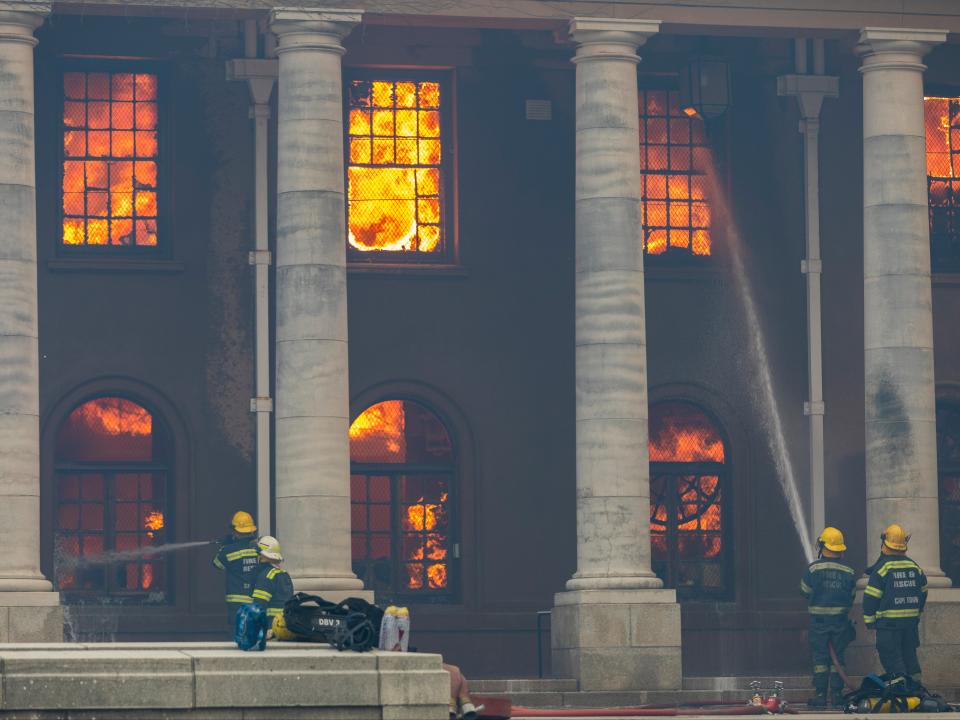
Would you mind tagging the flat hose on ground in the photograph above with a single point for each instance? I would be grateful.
(641, 711)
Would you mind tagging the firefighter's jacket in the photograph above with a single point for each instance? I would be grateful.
(239, 559)
(829, 586)
(272, 588)
(895, 594)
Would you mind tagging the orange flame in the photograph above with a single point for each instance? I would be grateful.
(117, 416)
(377, 435)
(153, 521)
(393, 177)
(425, 517)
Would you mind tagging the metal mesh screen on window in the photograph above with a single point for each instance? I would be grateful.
(394, 176)
(402, 459)
(942, 115)
(110, 151)
(675, 160)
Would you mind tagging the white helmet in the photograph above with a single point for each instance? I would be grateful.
(269, 547)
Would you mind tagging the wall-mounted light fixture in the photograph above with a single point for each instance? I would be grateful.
(705, 87)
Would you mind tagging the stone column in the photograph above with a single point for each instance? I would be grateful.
(898, 335)
(614, 628)
(901, 451)
(312, 392)
(28, 610)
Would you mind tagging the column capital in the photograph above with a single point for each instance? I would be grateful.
(610, 38)
(19, 18)
(312, 29)
(810, 91)
(896, 48)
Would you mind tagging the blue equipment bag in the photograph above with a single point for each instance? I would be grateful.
(253, 623)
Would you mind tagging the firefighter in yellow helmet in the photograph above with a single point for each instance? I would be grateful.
(892, 603)
(237, 557)
(829, 586)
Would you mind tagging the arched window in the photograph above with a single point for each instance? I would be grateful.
(948, 464)
(402, 472)
(689, 519)
(111, 466)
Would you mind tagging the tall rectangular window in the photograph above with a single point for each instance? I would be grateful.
(397, 170)
(942, 116)
(110, 157)
(674, 161)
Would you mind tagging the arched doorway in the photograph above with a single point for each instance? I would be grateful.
(689, 502)
(401, 499)
(112, 484)
(948, 467)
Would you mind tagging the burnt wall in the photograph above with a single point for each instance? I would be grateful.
(174, 334)
(490, 344)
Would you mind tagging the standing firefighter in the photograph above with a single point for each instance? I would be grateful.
(829, 586)
(273, 586)
(892, 603)
(237, 557)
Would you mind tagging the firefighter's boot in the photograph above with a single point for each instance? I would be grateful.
(836, 690)
(820, 682)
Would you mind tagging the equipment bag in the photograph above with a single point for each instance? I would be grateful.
(882, 694)
(250, 632)
(348, 625)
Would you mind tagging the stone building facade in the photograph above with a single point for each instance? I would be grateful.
(485, 314)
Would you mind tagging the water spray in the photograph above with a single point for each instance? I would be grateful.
(110, 558)
(776, 439)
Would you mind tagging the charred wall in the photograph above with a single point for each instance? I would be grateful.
(490, 343)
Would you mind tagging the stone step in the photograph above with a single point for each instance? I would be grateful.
(523, 685)
(634, 698)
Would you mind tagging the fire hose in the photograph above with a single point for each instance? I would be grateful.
(838, 666)
(647, 711)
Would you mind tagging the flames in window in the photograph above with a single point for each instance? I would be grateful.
(402, 456)
(110, 136)
(394, 171)
(942, 115)
(686, 497)
(107, 428)
(675, 163)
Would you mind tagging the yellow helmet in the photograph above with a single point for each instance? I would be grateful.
(243, 522)
(895, 538)
(832, 540)
(280, 629)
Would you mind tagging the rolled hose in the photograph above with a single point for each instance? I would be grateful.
(642, 711)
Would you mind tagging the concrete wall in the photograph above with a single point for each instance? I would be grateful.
(492, 343)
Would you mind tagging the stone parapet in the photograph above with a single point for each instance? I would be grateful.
(213, 679)
(618, 640)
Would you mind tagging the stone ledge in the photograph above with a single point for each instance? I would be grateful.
(214, 680)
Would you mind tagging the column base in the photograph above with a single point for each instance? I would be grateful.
(333, 589)
(30, 617)
(939, 641)
(618, 639)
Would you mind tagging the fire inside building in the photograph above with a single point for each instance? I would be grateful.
(485, 309)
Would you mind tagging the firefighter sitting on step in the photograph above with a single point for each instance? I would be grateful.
(237, 556)
(273, 586)
(892, 603)
(829, 586)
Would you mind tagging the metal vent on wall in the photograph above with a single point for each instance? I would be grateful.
(539, 110)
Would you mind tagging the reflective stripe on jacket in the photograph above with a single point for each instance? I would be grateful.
(896, 592)
(272, 588)
(829, 585)
(239, 559)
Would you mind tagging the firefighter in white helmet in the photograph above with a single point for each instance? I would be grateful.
(273, 586)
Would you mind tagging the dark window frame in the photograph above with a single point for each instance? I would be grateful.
(450, 255)
(163, 467)
(949, 510)
(107, 253)
(451, 471)
(944, 247)
(674, 257)
(724, 474)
